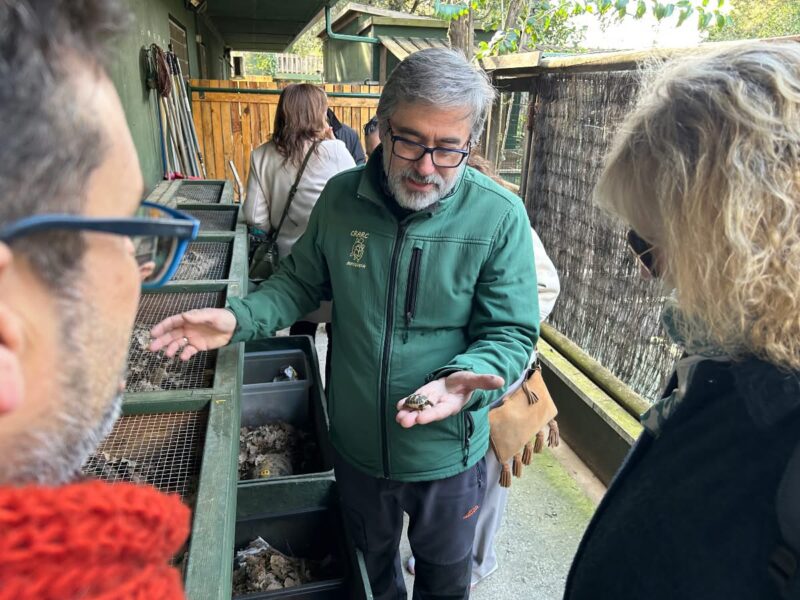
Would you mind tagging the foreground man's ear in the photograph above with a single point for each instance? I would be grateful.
(11, 380)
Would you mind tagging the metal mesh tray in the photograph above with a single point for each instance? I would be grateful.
(163, 450)
(214, 220)
(205, 261)
(199, 191)
(154, 372)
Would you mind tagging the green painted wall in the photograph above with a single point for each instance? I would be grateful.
(347, 62)
(126, 68)
(403, 31)
(218, 68)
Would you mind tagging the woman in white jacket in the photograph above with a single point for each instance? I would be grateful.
(301, 120)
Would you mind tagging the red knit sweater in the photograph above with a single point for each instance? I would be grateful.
(90, 540)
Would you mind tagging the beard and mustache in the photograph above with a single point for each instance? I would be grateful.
(52, 449)
(413, 200)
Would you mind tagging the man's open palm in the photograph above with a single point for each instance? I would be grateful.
(193, 331)
(448, 396)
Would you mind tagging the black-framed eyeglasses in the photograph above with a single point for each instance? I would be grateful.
(445, 158)
(643, 251)
(159, 234)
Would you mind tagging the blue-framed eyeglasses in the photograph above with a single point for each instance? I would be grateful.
(446, 158)
(159, 234)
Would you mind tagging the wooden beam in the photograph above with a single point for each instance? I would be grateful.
(504, 68)
(410, 21)
(522, 60)
(224, 97)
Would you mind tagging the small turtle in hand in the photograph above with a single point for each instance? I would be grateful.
(417, 402)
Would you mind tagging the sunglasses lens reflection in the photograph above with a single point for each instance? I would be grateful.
(154, 256)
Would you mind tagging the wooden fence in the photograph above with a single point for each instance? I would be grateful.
(294, 63)
(230, 124)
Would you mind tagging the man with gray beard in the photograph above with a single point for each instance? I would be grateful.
(431, 269)
(72, 262)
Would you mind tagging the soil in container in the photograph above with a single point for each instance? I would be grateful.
(276, 449)
(261, 568)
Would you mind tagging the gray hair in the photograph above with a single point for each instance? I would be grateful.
(51, 144)
(438, 77)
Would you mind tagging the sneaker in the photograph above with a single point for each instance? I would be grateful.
(478, 580)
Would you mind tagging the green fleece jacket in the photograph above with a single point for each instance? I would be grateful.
(449, 288)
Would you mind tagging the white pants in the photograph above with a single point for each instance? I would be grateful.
(484, 556)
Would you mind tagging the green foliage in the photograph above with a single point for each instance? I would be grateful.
(751, 19)
(260, 63)
(450, 12)
(547, 22)
(307, 44)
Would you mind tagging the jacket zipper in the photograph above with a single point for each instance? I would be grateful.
(411, 289)
(387, 346)
(469, 429)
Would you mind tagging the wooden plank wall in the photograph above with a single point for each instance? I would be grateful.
(230, 125)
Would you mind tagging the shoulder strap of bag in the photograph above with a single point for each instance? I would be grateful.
(784, 564)
(293, 190)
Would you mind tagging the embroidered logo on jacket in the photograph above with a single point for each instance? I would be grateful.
(358, 249)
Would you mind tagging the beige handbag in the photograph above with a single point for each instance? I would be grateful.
(524, 415)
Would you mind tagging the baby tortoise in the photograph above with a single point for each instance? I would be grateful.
(274, 464)
(417, 402)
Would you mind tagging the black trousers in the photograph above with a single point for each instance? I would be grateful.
(309, 328)
(442, 517)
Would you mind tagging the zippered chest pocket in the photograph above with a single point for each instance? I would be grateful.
(412, 286)
(440, 282)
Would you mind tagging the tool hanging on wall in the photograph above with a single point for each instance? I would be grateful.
(239, 188)
(180, 150)
(183, 99)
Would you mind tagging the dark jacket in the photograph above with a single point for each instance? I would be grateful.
(350, 139)
(448, 288)
(349, 136)
(692, 513)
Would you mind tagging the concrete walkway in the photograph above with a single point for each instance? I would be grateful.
(548, 510)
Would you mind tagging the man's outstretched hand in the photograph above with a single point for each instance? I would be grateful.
(448, 396)
(193, 331)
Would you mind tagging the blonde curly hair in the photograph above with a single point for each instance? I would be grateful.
(707, 169)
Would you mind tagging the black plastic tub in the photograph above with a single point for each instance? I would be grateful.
(262, 367)
(292, 403)
(299, 403)
(313, 529)
(314, 534)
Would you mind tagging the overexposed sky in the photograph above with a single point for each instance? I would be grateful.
(636, 34)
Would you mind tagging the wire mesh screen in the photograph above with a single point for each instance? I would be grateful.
(204, 261)
(199, 191)
(605, 306)
(214, 220)
(163, 450)
(153, 371)
(510, 151)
